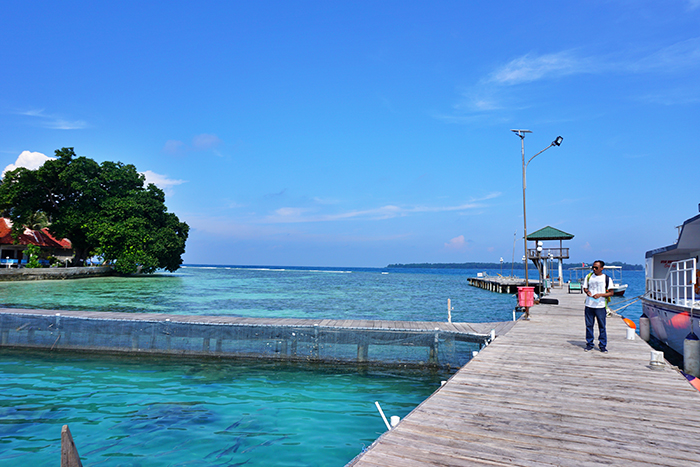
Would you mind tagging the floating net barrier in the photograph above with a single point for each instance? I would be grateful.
(399, 342)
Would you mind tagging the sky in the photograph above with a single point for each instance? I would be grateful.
(364, 133)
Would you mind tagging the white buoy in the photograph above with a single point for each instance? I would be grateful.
(691, 355)
(657, 360)
(395, 419)
(644, 328)
(442, 383)
(630, 334)
(475, 353)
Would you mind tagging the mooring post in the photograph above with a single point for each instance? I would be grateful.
(167, 333)
(449, 310)
(69, 453)
(691, 355)
(644, 328)
(362, 352)
(433, 354)
(282, 346)
(315, 346)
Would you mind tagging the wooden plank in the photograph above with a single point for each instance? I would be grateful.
(69, 453)
(533, 397)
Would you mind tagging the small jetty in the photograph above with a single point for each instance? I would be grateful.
(535, 398)
(502, 284)
(443, 344)
(35, 274)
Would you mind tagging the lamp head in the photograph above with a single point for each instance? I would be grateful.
(557, 142)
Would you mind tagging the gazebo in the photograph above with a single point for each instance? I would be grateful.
(539, 255)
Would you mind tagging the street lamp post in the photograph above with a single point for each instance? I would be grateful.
(521, 135)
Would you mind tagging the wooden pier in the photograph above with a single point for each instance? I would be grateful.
(535, 398)
(502, 284)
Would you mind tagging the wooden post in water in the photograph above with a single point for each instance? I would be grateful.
(69, 453)
(315, 346)
(433, 349)
(362, 352)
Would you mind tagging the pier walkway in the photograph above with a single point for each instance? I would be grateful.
(535, 398)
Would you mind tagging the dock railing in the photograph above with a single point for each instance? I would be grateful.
(557, 253)
(678, 287)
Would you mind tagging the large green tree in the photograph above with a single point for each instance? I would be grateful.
(102, 208)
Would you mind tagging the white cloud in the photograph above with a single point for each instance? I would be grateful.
(225, 227)
(532, 68)
(29, 160)
(679, 56)
(457, 244)
(296, 215)
(173, 146)
(162, 181)
(203, 142)
(501, 90)
(55, 122)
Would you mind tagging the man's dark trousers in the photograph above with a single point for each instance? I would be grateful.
(591, 315)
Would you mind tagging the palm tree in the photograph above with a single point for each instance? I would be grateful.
(38, 221)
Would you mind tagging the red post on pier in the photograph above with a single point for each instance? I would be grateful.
(526, 298)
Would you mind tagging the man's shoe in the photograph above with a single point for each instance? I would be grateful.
(588, 349)
(603, 350)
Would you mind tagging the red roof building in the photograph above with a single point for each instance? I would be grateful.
(42, 238)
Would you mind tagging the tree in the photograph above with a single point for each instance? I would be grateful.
(97, 206)
(137, 234)
(32, 252)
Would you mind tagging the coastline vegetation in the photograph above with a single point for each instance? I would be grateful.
(518, 265)
(103, 209)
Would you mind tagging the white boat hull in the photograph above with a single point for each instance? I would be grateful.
(670, 323)
(619, 290)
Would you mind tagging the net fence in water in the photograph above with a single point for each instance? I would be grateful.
(402, 344)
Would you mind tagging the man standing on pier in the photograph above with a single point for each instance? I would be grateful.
(596, 287)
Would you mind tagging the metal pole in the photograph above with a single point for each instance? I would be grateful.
(556, 142)
(522, 151)
(512, 260)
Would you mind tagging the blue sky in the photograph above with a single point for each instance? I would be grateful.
(362, 133)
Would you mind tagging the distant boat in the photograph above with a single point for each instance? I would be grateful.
(618, 288)
(671, 299)
(615, 275)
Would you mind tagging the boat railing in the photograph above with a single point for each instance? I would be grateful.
(678, 287)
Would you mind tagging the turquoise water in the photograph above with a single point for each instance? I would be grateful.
(146, 412)
(412, 295)
(177, 412)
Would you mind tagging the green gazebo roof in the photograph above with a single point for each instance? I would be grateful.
(549, 233)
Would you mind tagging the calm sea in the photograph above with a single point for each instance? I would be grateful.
(177, 412)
